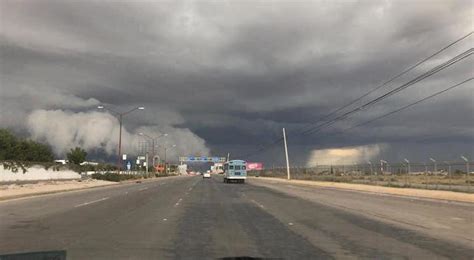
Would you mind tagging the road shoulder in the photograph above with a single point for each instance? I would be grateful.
(405, 192)
(18, 191)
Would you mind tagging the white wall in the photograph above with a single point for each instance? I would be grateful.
(35, 173)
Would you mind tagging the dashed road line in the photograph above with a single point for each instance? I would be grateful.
(143, 189)
(91, 202)
(258, 204)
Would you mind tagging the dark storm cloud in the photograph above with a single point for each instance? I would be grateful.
(235, 73)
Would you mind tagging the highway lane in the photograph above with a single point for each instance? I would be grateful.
(447, 220)
(195, 218)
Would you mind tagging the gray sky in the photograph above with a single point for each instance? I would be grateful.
(226, 76)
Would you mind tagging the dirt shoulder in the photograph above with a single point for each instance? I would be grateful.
(20, 190)
(12, 191)
(409, 192)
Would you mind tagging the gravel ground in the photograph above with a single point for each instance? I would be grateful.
(10, 191)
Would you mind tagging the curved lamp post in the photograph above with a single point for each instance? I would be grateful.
(120, 118)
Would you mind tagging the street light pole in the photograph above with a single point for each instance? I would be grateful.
(408, 165)
(166, 148)
(120, 118)
(153, 140)
(467, 172)
(435, 168)
(449, 173)
(381, 165)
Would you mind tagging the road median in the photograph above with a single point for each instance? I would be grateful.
(405, 192)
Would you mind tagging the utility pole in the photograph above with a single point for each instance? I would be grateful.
(228, 156)
(119, 161)
(286, 155)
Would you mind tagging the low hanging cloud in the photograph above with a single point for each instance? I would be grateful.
(345, 155)
(187, 143)
(98, 131)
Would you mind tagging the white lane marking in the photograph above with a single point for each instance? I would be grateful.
(90, 202)
(258, 204)
(291, 224)
(177, 203)
(143, 189)
(165, 219)
(190, 189)
(126, 192)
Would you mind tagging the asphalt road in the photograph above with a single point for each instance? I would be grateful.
(195, 218)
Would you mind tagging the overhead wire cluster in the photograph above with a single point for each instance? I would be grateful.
(326, 120)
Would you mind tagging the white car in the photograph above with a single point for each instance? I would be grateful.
(206, 175)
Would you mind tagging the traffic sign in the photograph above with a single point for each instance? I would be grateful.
(201, 159)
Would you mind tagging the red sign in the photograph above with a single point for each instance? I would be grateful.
(254, 166)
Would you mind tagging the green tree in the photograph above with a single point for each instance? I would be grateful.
(76, 155)
(8, 143)
(13, 148)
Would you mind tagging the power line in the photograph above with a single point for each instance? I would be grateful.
(390, 80)
(423, 76)
(409, 105)
(262, 148)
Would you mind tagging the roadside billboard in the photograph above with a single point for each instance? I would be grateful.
(254, 166)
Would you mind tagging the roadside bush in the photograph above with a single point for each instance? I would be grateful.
(114, 177)
(163, 175)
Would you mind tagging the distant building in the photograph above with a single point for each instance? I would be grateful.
(89, 163)
(61, 161)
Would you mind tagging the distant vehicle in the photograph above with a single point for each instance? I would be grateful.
(160, 168)
(235, 170)
(206, 175)
(217, 168)
(182, 169)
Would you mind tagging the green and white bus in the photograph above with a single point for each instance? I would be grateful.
(235, 170)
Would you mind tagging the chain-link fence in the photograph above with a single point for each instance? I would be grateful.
(453, 176)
